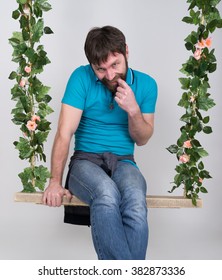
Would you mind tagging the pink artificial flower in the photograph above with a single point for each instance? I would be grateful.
(197, 54)
(28, 69)
(35, 118)
(200, 44)
(204, 43)
(31, 125)
(22, 82)
(208, 42)
(184, 158)
(187, 144)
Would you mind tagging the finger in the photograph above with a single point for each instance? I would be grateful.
(121, 90)
(46, 199)
(54, 201)
(58, 200)
(121, 82)
(118, 94)
(118, 100)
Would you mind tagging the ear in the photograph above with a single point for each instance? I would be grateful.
(127, 51)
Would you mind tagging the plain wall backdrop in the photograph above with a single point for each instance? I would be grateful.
(155, 35)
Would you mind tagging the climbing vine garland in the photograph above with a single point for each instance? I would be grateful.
(30, 94)
(191, 173)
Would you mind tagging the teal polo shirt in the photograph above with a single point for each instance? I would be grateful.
(104, 125)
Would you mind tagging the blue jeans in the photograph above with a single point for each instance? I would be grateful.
(118, 209)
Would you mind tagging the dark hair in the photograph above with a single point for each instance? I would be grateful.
(100, 42)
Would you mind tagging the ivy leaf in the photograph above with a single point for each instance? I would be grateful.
(182, 139)
(24, 22)
(187, 20)
(44, 125)
(41, 174)
(192, 5)
(15, 14)
(38, 30)
(19, 118)
(185, 82)
(195, 82)
(212, 25)
(207, 130)
(42, 91)
(202, 152)
(41, 137)
(16, 39)
(48, 30)
(26, 177)
(195, 143)
(22, 1)
(203, 190)
(206, 120)
(178, 179)
(194, 201)
(43, 5)
(173, 149)
(195, 16)
(189, 46)
(201, 165)
(212, 67)
(25, 150)
(205, 174)
(25, 35)
(25, 103)
(44, 110)
(185, 118)
(13, 75)
(204, 103)
(31, 55)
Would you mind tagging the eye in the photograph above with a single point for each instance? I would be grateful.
(100, 69)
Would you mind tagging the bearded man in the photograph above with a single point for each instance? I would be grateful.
(108, 108)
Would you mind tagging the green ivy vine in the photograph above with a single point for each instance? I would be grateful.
(30, 95)
(190, 172)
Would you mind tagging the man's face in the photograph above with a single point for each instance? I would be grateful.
(109, 72)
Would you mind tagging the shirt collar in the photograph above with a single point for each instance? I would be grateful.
(129, 77)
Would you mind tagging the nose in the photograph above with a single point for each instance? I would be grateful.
(110, 74)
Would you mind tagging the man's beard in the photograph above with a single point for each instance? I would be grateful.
(113, 84)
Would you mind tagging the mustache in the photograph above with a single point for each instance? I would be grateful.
(115, 79)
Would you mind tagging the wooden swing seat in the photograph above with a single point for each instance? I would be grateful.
(153, 201)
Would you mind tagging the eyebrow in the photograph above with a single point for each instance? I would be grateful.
(101, 67)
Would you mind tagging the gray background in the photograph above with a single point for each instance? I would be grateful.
(155, 35)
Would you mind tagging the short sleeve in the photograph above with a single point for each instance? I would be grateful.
(150, 93)
(75, 92)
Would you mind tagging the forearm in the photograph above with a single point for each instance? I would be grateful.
(59, 157)
(54, 192)
(68, 123)
(139, 129)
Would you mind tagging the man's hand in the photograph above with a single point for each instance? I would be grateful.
(140, 125)
(54, 193)
(125, 97)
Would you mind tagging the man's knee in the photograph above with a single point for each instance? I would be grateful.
(107, 193)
